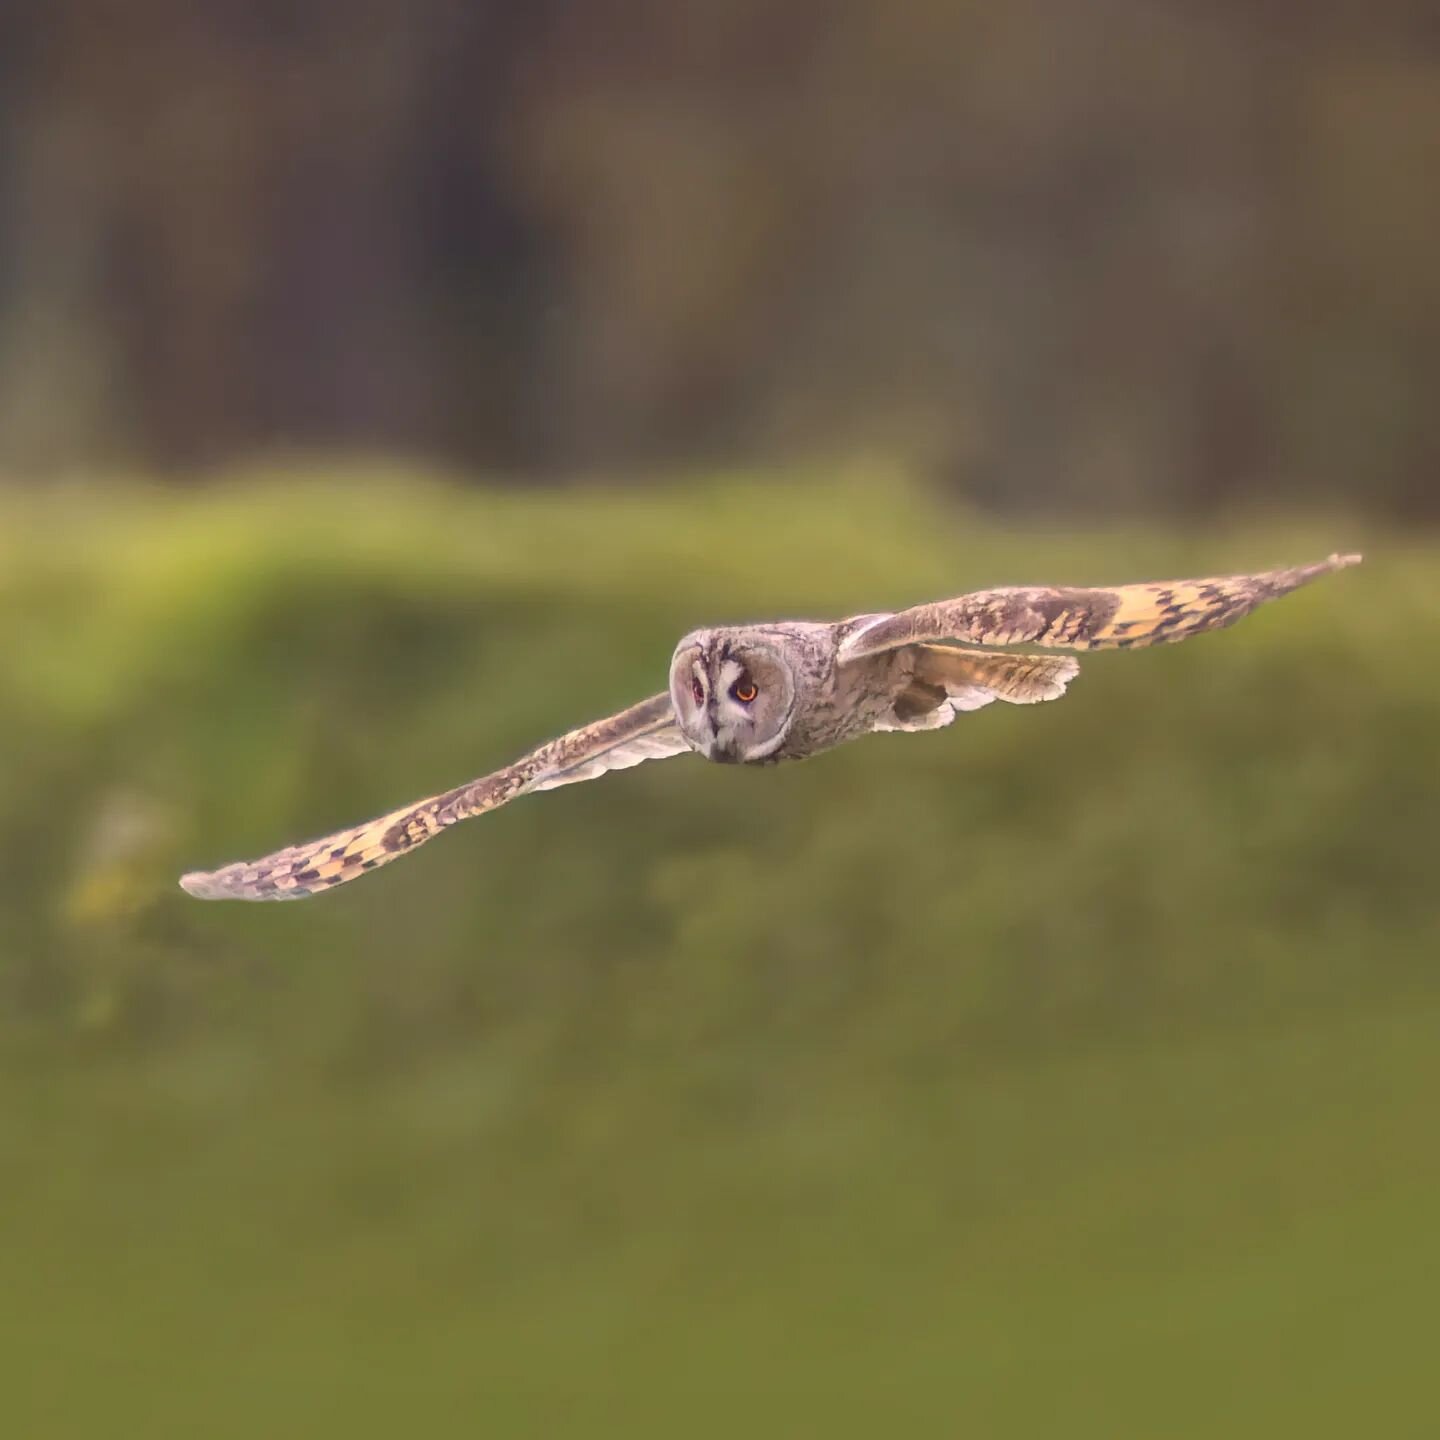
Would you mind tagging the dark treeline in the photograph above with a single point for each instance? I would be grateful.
(1104, 254)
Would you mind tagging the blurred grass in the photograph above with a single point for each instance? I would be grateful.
(1071, 1070)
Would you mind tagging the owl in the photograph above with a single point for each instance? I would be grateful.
(760, 694)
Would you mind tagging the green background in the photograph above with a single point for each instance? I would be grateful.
(1070, 1071)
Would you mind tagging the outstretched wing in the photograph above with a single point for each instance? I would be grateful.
(1077, 619)
(646, 731)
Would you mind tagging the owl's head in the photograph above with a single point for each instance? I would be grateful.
(733, 693)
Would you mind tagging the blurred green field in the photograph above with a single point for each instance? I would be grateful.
(1070, 1071)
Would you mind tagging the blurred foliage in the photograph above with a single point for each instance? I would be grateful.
(1099, 256)
(1068, 1070)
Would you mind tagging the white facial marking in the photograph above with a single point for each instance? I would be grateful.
(730, 673)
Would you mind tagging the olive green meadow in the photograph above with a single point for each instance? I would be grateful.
(1074, 1070)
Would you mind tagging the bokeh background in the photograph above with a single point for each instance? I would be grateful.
(384, 387)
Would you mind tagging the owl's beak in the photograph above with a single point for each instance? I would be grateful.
(723, 754)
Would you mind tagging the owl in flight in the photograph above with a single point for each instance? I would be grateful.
(753, 694)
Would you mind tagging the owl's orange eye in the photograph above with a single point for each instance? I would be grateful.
(744, 690)
(698, 691)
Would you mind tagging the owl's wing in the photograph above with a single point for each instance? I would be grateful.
(646, 731)
(946, 680)
(1082, 619)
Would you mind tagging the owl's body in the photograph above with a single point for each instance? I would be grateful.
(822, 697)
(758, 694)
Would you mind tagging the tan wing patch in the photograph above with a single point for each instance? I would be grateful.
(644, 732)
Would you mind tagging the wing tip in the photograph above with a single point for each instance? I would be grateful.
(203, 885)
(234, 883)
(1330, 565)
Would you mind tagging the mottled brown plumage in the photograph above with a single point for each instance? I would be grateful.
(784, 691)
(1127, 616)
(646, 731)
